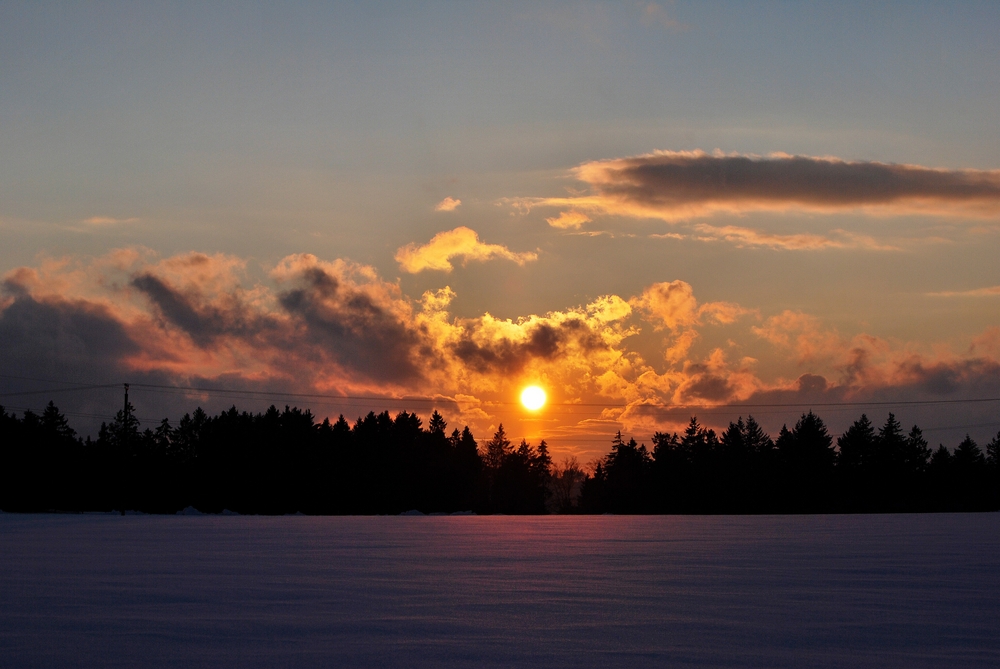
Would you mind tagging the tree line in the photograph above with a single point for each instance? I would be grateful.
(285, 461)
(803, 471)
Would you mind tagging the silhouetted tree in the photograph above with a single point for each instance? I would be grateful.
(993, 470)
(627, 471)
(746, 463)
(437, 424)
(992, 452)
(807, 457)
(856, 446)
(516, 479)
(917, 453)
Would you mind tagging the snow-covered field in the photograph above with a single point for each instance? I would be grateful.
(232, 591)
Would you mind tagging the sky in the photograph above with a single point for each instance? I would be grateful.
(652, 210)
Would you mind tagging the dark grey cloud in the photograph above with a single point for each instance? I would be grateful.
(201, 319)
(681, 178)
(62, 339)
(545, 341)
(352, 328)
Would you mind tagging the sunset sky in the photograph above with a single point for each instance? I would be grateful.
(650, 210)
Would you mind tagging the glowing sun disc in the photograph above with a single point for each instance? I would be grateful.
(533, 398)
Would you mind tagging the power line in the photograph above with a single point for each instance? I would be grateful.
(80, 414)
(58, 390)
(271, 394)
(719, 409)
(262, 394)
(32, 378)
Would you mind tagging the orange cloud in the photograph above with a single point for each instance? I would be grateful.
(804, 334)
(462, 242)
(103, 221)
(991, 291)
(673, 305)
(568, 220)
(337, 327)
(448, 204)
(749, 237)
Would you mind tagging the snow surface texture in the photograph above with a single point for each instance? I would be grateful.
(776, 591)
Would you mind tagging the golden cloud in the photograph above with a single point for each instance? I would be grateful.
(448, 204)
(462, 242)
(568, 220)
(673, 305)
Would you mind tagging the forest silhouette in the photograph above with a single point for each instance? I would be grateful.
(284, 461)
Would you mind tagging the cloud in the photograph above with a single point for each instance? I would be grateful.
(308, 325)
(991, 291)
(103, 221)
(673, 305)
(568, 220)
(677, 185)
(864, 363)
(349, 317)
(61, 338)
(448, 204)
(462, 242)
(748, 237)
(804, 334)
(670, 305)
(490, 345)
(656, 15)
(987, 343)
(339, 328)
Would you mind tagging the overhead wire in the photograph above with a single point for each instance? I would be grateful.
(337, 399)
(274, 394)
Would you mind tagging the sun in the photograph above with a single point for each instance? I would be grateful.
(533, 398)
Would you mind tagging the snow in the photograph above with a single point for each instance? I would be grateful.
(618, 591)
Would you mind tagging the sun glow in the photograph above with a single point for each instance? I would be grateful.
(533, 398)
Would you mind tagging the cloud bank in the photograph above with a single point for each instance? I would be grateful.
(681, 186)
(462, 242)
(684, 184)
(337, 327)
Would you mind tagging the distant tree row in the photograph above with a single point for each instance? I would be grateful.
(274, 462)
(278, 462)
(745, 471)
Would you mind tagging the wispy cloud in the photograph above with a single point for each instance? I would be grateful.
(655, 14)
(105, 221)
(568, 220)
(444, 247)
(991, 291)
(800, 241)
(803, 241)
(448, 204)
